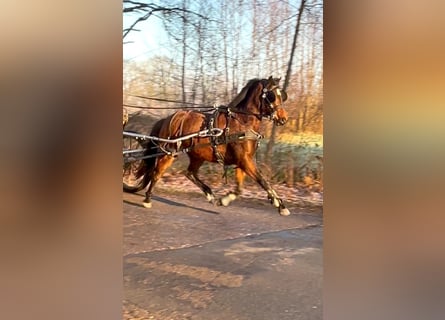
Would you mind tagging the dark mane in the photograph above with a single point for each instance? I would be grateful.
(236, 102)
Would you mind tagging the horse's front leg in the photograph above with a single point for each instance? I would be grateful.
(239, 176)
(253, 172)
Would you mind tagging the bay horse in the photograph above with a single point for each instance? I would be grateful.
(240, 122)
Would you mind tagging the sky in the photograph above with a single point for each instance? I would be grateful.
(148, 41)
(152, 39)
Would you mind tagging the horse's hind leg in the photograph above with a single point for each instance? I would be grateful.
(239, 176)
(252, 171)
(162, 164)
(192, 175)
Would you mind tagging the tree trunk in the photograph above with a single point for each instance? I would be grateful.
(271, 142)
(184, 52)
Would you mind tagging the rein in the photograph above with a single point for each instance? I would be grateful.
(259, 116)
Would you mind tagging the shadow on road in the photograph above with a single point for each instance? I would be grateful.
(171, 203)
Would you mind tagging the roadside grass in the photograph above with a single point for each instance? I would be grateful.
(296, 161)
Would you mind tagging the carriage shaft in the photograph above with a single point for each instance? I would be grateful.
(215, 132)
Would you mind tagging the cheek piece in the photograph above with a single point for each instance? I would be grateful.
(270, 97)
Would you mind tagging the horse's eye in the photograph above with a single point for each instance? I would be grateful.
(270, 96)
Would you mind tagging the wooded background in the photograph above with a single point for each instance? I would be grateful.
(210, 49)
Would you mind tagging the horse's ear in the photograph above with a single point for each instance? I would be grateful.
(270, 80)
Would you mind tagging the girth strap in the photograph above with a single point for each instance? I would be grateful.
(213, 140)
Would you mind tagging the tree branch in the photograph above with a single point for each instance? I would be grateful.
(151, 9)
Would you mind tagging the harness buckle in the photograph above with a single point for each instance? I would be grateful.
(264, 93)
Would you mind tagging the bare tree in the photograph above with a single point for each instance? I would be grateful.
(271, 141)
(219, 46)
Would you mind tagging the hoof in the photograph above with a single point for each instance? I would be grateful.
(225, 201)
(147, 204)
(284, 212)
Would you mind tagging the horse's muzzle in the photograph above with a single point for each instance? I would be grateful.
(280, 121)
(280, 117)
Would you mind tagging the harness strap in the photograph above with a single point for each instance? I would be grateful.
(259, 116)
(253, 135)
(213, 140)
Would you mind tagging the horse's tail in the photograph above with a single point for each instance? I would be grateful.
(147, 167)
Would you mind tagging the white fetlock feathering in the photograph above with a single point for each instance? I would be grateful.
(227, 199)
(210, 197)
(276, 203)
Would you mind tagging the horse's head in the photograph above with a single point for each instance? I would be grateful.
(272, 101)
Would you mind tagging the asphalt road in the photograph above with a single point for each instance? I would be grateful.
(186, 259)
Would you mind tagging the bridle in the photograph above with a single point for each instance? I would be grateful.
(267, 108)
(268, 97)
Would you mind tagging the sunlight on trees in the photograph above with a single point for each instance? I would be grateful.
(212, 48)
